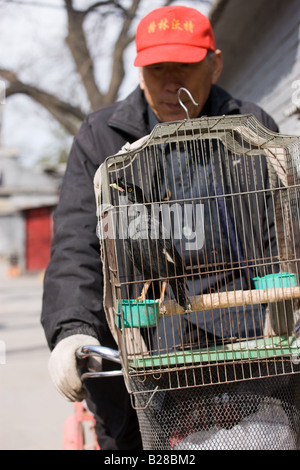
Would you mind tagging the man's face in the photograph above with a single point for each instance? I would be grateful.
(161, 82)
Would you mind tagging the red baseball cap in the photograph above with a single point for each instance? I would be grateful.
(173, 34)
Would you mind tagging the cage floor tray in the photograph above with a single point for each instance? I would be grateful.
(262, 348)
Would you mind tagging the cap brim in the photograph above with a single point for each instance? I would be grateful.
(170, 53)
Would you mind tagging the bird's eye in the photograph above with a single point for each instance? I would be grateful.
(129, 190)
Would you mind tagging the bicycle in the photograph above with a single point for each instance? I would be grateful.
(79, 428)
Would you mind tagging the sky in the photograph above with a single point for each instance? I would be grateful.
(32, 42)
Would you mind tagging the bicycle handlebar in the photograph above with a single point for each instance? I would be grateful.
(105, 353)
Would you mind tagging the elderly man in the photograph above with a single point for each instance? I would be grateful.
(175, 48)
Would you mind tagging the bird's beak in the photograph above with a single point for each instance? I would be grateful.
(115, 186)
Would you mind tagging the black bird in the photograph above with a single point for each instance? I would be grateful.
(154, 256)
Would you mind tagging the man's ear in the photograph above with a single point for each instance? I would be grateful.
(217, 65)
(141, 79)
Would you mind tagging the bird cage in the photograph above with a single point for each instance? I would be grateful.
(199, 232)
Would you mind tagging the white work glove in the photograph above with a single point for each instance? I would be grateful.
(63, 366)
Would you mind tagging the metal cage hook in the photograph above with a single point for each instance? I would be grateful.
(181, 103)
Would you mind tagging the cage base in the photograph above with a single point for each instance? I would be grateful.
(260, 348)
(261, 414)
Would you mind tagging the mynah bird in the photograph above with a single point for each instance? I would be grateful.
(155, 257)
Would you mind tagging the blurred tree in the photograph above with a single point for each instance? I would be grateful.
(65, 112)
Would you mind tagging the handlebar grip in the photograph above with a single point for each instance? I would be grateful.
(106, 373)
(105, 353)
(102, 351)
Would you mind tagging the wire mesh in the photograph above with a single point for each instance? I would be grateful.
(199, 224)
(260, 414)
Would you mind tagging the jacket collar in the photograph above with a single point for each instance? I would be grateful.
(131, 115)
(220, 102)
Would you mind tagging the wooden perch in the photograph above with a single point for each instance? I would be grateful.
(232, 299)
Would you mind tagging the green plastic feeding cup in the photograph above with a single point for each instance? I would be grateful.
(272, 281)
(282, 311)
(137, 314)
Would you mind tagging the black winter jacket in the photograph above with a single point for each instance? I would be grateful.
(72, 301)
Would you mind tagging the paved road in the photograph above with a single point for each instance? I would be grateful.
(32, 412)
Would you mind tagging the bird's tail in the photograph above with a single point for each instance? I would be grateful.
(179, 288)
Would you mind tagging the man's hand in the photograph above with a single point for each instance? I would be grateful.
(63, 366)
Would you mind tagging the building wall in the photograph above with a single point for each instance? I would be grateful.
(261, 45)
(12, 237)
(27, 236)
(38, 237)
